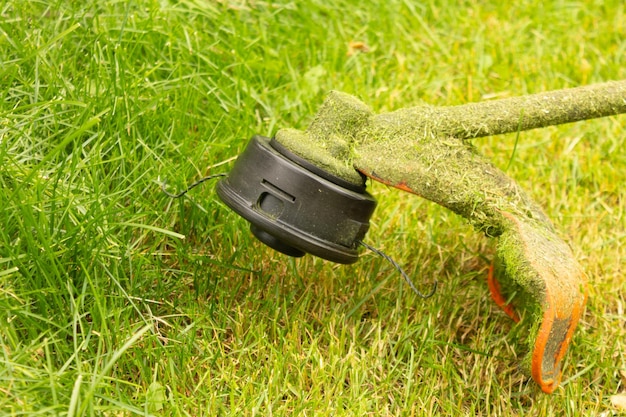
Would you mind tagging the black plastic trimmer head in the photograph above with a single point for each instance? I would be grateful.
(294, 206)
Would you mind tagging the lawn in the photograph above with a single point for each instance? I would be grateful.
(117, 300)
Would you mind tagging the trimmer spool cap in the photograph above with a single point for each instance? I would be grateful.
(294, 206)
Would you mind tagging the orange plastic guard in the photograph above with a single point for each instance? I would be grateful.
(535, 278)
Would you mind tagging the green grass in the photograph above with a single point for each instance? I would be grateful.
(107, 310)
